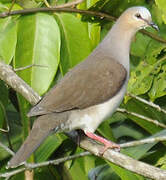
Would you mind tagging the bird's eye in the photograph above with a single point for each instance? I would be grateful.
(138, 15)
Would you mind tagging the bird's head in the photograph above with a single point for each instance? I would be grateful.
(138, 18)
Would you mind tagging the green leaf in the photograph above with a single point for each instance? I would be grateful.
(48, 147)
(8, 38)
(142, 109)
(103, 172)
(138, 47)
(127, 130)
(46, 173)
(159, 85)
(2, 114)
(93, 28)
(106, 131)
(162, 5)
(142, 77)
(89, 163)
(6, 5)
(24, 108)
(125, 174)
(78, 169)
(4, 93)
(38, 43)
(94, 34)
(28, 3)
(75, 44)
(154, 51)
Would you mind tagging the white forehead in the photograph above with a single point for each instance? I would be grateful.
(144, 12)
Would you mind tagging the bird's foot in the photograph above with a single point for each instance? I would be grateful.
(107, 144)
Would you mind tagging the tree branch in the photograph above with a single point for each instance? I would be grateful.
(46, 3)
(10, 77)
(143, 141)
(147, 102)
(124, 161)
(69, 4)
(142, 117)
(13, 2)
(74, 10)
(30, 166)
(7, 149)
(117, 158)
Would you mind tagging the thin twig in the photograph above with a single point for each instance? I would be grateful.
(7, 125)
(4, 130)
(29, 66)
(69, 4)
(142, 117)
(56, 161)
(6, 119)
(13, 2)
(143, 141)
(153, 36)
(74, 10)
(10, 77)
(55, 9)
(9, 174)
(147, 102)
(30, 166)
(9, 141)
(46, 3)
(7, 149)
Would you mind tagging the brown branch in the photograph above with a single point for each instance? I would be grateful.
(74, 10)
(147, 102)
(29, 66)
(157, 123)
(11, 78)
(7, 149)
(69, 4)
(57, 9)
(46, 3)
(30, 166)
(143, 141)
(13, 2)
(110, 155)
(124, 161)
(153, 36)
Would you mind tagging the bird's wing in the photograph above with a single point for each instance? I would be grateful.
(90, 83)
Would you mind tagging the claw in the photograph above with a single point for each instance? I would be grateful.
(110, 145)
(107, 144)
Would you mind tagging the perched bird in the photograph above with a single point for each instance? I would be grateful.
(91, 91)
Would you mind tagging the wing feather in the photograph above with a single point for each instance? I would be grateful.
(91, 82)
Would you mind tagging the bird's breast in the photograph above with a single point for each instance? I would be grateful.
(90, 118)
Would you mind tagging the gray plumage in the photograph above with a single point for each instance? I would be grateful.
(91, 91)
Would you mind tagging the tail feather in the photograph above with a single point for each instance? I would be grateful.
(42, 127)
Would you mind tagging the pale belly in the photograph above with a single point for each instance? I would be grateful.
(89, 119)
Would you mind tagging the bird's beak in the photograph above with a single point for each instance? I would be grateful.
(154, 26)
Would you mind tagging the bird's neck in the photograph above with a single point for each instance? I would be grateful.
(117, 43)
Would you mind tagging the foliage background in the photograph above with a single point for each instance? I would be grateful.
(59, 41)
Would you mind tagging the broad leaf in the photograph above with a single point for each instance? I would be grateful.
(142, 77)
(8, 38)
(48, 147)
(75, 44)
(38, 43)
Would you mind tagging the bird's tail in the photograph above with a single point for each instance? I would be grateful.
(42, 127)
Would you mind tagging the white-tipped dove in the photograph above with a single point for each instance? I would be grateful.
(91, 91)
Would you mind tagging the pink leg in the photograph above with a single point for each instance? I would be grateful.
(107, 144)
